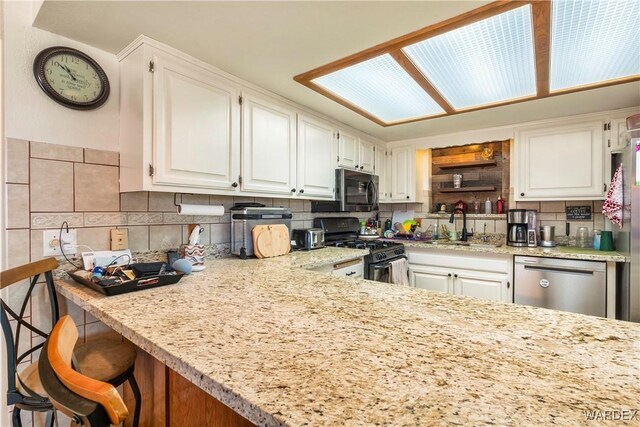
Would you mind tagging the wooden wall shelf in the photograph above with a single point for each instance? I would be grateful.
(467, 189)
(472, 164)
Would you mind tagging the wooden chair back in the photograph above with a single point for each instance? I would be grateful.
(24, 322)
(60, 346)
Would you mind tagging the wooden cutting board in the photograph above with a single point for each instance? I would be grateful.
(270, 240)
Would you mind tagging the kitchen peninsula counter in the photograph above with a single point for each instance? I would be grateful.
(282, 345)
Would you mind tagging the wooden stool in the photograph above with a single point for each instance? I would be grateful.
(106, 360)
(95, 403)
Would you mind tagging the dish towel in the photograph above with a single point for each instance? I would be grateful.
(612, 207)
(399, 274)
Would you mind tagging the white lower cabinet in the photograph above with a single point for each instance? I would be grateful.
(483, 276)
(352, 268)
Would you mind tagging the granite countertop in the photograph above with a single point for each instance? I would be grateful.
(568, 252)
(282, 345)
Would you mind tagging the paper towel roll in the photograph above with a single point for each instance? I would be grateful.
(184, 209)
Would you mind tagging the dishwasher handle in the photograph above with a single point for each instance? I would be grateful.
(559, 269)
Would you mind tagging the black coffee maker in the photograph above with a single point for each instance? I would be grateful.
(517, 227)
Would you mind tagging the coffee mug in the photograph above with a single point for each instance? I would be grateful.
(606, 241)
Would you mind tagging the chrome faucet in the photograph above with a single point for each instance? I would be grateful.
(464, 222)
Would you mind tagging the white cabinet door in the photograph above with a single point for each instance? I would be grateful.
(431, 278)
(367, 156)
(381, 171)
(486, 286)
(403, 181)
(316, 164)
(563, 162)
(348, 150)
(196, 126)
(268, 145)
(618, 136)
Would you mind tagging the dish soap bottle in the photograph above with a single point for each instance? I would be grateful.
(487, 206)
(500, 205)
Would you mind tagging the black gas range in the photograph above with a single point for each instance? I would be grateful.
(343, 232)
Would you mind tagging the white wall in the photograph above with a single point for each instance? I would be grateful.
(30, 113)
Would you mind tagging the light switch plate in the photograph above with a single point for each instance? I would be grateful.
(51, 247)
(119, 239)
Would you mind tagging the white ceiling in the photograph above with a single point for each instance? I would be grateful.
(268, 43)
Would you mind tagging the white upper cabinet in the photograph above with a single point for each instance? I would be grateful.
(348, 150)
(317, 153)
(403, 179)
(268, 145)
(561, 162)
(383, 175)
(367, 156)
(196, 123)
(618, 136)
(355, 153)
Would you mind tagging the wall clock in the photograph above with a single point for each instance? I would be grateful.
(71, 78)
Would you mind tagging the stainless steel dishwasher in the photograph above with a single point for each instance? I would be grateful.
(561, 284)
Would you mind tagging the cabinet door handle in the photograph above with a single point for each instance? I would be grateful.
(449, 274)
(361, 167)
(301, 191)
(455, 275)
(508, 285)
(605, 187)
(350, 274)
(357, 166)
(521, 194)
(293, 190)
(408, 197)
(234, 185)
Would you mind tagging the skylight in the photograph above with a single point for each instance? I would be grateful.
(594, 41)
(382, 88)
(500, 53)
(482, 63)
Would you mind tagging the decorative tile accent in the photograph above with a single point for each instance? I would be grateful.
(96, 188)
(101, 157)
(95, 219)
(134, 202)
(206, 219)
(144, 218)
(17, 206)
(174, 218)
(51, 186)
(17, 161)
(55, 220)
(42, 150)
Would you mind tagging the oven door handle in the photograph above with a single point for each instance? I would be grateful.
(387, 264)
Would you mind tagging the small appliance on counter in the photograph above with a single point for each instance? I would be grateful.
(245, 218)
(307, 239)
(519, 224)
(547, 236)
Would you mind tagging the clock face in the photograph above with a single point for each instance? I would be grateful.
(71, 78)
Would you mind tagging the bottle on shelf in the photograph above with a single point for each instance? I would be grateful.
(487, 206)
(500, 205)
(476, 205)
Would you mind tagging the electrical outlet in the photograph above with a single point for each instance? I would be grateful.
(51, 242)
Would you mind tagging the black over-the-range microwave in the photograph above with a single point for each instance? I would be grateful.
(355, 192)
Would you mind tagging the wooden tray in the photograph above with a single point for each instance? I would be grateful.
(125, 287)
